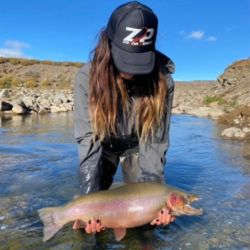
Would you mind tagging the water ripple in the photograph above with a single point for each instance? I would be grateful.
(38, 168)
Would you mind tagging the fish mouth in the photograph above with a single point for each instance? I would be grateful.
(188, 210)
(192, 198)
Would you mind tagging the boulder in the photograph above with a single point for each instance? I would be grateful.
(246, 130)
(44, 103)
(28, 101)
(55, 109)
(5, 93)
(19, 109)
(43, 110)
(5, 106)
(67, 106)
(233, 132)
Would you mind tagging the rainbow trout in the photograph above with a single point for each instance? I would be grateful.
(127, 206)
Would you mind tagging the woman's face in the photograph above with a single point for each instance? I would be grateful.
(126, 76)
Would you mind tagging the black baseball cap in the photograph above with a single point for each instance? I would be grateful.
(132, 30)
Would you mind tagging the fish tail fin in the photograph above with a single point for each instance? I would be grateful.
(51, 221)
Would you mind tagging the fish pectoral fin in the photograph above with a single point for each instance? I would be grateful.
(119, 233)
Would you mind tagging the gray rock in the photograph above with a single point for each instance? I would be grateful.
(68, 106)
(233, 132)
(19, 109)
(246, 130)
(45, 103)
(236, 121)
(43, 110)
(55, 109)
(5, 93)
(28, 101)
(5, 106)
(58, 99)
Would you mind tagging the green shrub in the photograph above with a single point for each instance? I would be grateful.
(6, 82)
(210, 99)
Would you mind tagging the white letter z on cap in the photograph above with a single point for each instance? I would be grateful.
(139, 36)
(132, 30)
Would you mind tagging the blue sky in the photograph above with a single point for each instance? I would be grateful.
(201, 37)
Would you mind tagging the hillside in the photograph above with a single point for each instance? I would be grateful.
(16, 72)
(44, 86)
(36, 86)
(227, 100)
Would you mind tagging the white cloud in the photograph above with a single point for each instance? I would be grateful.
(14, 48)
(196, 34)
(211, 39)
(16, 44)
(10, 53)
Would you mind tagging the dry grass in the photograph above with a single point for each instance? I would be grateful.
(6, 82)
(28, 62)
(239, 64)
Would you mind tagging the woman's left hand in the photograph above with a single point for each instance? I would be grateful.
(93, 226)
(164, 217)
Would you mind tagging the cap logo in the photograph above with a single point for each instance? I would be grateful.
(138, 37)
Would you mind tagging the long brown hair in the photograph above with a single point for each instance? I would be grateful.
(108, 95)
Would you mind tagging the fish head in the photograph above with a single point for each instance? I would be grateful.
(180, 204)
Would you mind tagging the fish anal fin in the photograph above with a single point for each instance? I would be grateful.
(119, 233)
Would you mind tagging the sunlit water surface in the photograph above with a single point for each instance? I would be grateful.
(38, 168)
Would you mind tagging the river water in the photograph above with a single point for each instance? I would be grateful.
(38, 168)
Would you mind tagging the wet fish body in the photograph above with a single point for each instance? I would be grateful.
(128, 206)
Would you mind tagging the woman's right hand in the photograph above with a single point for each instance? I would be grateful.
(164, 218)
(93, 226)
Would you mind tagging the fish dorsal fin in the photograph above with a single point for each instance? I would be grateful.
(119, 233)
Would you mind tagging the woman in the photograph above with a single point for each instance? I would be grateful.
(123, 101)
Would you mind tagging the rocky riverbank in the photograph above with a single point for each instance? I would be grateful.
(22, 100)
(32, 86)
(43, 87)
(226, 100)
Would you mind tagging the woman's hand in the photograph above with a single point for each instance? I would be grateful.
(164, 217)
(92, 227)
